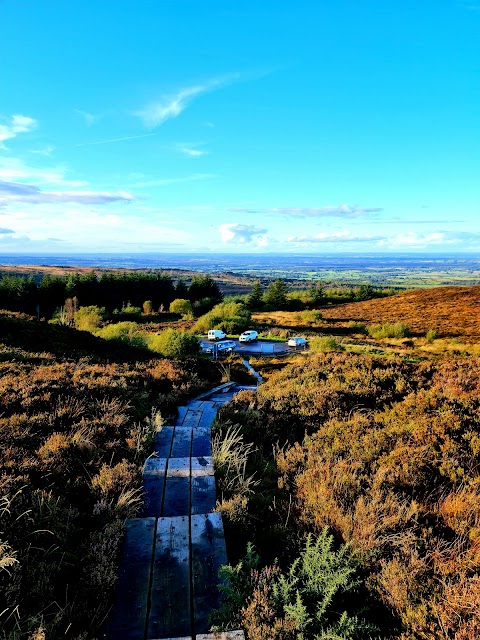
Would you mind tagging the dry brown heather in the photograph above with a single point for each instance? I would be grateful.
(451, 311)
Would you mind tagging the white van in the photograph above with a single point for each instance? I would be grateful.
(216, 334)
(248, 336)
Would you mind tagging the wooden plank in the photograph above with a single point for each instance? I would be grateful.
(207, 418)
(179, 467)
(177, 496)
(208, 554)
(154, 467)
(153, 489)
(195, 404)
(163, 442)
(182, 412)
(221, 635)
(207, 404)
(201, 443)
(204, 494)
(129, 614)
(202, 466)
(182, 442)
(170, 595)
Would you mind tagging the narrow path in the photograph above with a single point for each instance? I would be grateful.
(168, 575)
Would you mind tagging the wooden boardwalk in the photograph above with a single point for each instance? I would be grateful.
(168, 576)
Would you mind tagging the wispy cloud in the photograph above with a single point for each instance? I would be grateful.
(171, 106)
(339, 211)
(236, 233)
(45, 151)
(15, 125)
(336, 237)
(162, 182)
(4, 231)
(15, 170)
(191, 151)
(143, 135)
(89, 118)
(18, 192)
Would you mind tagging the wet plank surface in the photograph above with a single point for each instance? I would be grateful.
(170, 593)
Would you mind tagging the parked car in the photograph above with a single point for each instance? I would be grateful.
(226, 346)
(297, 341)
(248, 336)
(216, 334)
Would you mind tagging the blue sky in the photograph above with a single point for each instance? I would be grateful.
(180, 126)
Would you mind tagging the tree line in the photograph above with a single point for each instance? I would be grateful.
(111, 291)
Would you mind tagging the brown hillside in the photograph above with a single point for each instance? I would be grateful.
(451, 311)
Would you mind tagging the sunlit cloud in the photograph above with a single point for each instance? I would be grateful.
(191, 151)
(20, 192)
(162, 182)
(15, 170)
(340, 211)
(236, 233)
(336, 237)
(11, 127)
(89, 118)
(413, 239)
(171, 106)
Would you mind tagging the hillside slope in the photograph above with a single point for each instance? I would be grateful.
(451, 311)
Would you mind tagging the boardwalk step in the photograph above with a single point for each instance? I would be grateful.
(163, 442)
(170, 595)
(153, 486)
(208, 554)
(133, 585)
(204, 495)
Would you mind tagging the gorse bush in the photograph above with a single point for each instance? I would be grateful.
(182, 307)
(89, 318)
(324, 343)
(127, 332)
(388, 330)
(231, 317)
(174, 344)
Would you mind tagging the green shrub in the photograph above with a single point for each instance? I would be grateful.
(306, 601)
(89, 318)
(182, 307)
(231, 317)
(311, 317)
(126, 332)
(325, 343)
(431, 335)
(174, 344)
(357, 327)
(388, 330)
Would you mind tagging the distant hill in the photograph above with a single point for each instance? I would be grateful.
(451, 311)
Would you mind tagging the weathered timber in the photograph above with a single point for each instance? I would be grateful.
(129, 614)
(182, 412)
(201, 442)
(207, 418)
(177, 488)
(208, 554)
(182, 442)
(170, 595)
(153, 486)
(204, 496)
(202, 466)
(163, 442)
(220, 635)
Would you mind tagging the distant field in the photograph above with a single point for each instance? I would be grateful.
(452, 311)
(401, 271)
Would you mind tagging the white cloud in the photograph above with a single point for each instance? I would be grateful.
(162, 182)
(191, 152)
(89, 118)
(171, 106)
(338, 236)
(413, 239)
(341, 211)
(20, 192)
(15, 125)
(45, 151)
(237, 233)
(14, 169)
